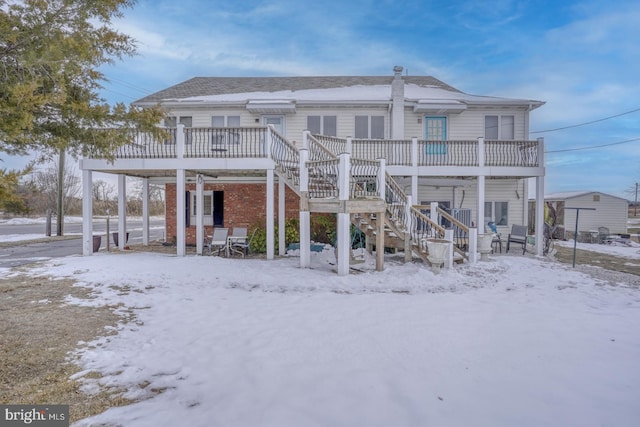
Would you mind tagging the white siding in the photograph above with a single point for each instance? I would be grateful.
(611, 212)
(459, 197)
(468, 125)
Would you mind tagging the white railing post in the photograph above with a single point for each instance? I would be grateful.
(473, 245)
(382, 179)
(344, 175)
(481, 159)
(414, 168)
(435, 215)
(541, 157)
(304, 171)
(305, 139)
(268, 141)
(349, 145)
(180, 141)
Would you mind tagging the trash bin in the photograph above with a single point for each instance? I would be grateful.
(115, 238)
(97, 241)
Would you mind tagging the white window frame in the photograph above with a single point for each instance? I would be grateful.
(369, 134)
(225, 121)
(490, 212)
(504, 127)
(207, 217)
(323, 130)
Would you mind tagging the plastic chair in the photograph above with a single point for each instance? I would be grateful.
(241, 246)
(218, 240)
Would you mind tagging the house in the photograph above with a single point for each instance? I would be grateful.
(609, 211)
(403, 157)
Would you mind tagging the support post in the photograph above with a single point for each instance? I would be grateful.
(473, 245)
(540, 200)
(282, 244)
(305, 215)
(181, 215)
(481, 186)
(199, 214)
(122, 212)
(145, 211)
(343, 249)
(539, 231)
(87, 213)
(270, 215)
(380, 241)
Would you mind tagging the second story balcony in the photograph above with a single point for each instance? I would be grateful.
(256, 147)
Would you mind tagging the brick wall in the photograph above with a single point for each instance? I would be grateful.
(244, 206)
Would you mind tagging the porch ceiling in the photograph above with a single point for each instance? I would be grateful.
(171, 174)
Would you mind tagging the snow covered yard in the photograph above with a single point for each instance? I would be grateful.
(516, 341)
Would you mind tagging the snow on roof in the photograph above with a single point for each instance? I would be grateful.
(574, 194)
(420, 89)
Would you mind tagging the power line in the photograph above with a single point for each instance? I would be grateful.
(587, 123)
(593, 146)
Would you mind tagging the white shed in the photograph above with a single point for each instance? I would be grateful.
(610, 211)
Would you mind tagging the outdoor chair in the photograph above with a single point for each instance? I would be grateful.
(218, 241)
(236, 240)
(497, 238)
(518, 235)
(603, 235)
(241, 245)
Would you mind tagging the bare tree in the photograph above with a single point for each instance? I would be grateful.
(45, 183)
(104, 197)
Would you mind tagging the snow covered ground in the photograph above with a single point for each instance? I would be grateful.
(516, 341)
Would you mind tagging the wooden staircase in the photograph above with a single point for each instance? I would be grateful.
(323, 197)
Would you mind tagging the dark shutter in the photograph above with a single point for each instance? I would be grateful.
(187, 209)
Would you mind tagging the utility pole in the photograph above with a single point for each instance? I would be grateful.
(59, 200)
(635, 203)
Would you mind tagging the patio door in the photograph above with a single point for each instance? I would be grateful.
(276, 121)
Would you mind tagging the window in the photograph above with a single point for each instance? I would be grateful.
(435, 128)
(497, 212)
(187, 121)
(499, 127)
(369, 127)
(225, 121)
(596, 197)
(323, 125)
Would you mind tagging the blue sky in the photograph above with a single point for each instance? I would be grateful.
(581, 57)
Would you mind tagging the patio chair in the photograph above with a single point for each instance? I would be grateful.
(518, 235)
(217, 241)
(241, 246)
(603, 235)
(497, 238)
(237, 238)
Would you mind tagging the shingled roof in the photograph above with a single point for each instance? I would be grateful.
(205, 86)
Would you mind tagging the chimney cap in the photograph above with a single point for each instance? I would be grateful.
(398, 69)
